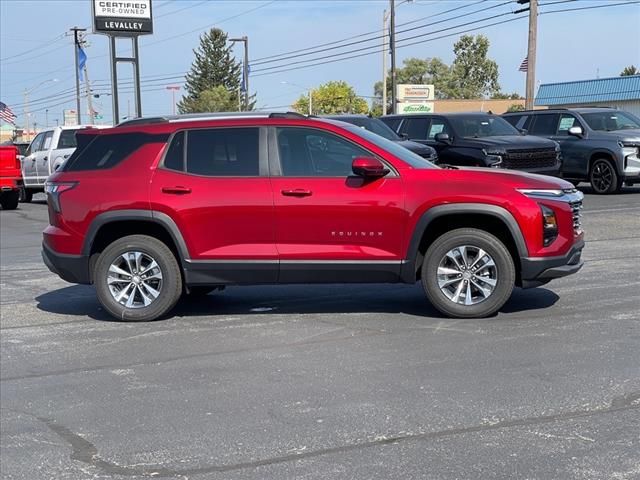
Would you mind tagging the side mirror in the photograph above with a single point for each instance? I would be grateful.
(576, 131)
(368, 167)
(442, 138)
(523, 131)
(404, 136)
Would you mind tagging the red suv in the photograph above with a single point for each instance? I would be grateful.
(160, 207)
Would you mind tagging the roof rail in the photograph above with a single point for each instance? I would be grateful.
(142, 121)
(287, 115)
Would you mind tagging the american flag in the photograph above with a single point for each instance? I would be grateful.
(525, 64)
(6, 115)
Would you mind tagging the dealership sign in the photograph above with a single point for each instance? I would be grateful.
(122, 17)
(426, 107)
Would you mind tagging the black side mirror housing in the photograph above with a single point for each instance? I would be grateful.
(442, 138)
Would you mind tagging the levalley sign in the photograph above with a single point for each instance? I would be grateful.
(122, 17)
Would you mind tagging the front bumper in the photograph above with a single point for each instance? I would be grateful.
(72, 268)
(536, 271)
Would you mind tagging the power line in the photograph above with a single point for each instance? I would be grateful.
(181, 9)
(53, 40)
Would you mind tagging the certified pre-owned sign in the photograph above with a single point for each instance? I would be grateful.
(126, 16)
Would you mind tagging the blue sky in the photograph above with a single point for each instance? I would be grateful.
(572, 45)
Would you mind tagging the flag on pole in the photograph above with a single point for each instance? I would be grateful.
(524, 66)
(6, 114)
(82, 60)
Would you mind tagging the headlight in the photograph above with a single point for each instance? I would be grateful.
(630, 151)
(549, 225)
(493, 159)
(541, 192)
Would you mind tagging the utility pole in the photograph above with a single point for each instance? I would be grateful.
(76, 47)
(46, 118)
(87, 86)
(392, 47)
(384, 62)
(531, 53)
(245, 67)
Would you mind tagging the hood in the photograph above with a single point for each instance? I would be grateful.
(415, 147)
(502, 142)
(631, 135)
(512, 178)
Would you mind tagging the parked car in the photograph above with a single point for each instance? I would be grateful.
(158, 207)
(47, 151)
(479, 140)
(10, 177)
(599, 145)
(377, 126)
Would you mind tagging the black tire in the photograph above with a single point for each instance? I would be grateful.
(9, 200)
(504, 271)
(603, 177)
(26, 195)
(170, 289)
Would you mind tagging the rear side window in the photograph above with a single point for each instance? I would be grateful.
(67, 139)
(174, 160)
(224, 152)
(545, 125)
(513, 119)
(106, 151)
(416, 128)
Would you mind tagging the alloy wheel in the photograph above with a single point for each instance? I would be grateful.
(134, 279)
(602, 176)
(467, 275)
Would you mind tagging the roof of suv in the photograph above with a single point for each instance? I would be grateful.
(560, 109)
(190, 117)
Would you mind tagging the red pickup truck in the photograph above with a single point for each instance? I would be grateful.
(10, 177)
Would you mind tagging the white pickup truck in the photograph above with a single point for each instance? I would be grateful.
(48, 150)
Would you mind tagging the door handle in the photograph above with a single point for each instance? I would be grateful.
(297, 192)
(45, 159)
(176, 190)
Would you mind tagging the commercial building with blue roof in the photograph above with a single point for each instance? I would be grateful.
(616, 92)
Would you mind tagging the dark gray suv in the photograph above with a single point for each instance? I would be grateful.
(599, 145)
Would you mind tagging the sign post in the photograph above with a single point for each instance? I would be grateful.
(123, 19)
(415, 98)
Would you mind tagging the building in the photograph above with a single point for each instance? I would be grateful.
(616, 92)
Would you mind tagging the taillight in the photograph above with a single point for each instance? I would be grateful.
(54, 190)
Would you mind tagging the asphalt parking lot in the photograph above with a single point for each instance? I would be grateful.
(325, 382)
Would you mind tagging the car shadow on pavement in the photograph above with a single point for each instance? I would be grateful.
(80, 300)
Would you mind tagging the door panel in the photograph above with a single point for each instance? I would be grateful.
(221, 204)
(29, 174)
(42, 158)
(340, 217)
(575, 151)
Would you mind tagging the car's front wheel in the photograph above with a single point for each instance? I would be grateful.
(603, 177)
(468, 273)
(137, 278)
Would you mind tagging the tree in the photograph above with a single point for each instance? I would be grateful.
(214, 66)
(331, 98)
(630, 70)
(506, 96)
(515, 107)
(473, 74)
(216, 99)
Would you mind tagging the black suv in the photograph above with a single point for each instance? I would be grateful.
(599, 145)
(479, 140)
(378, 127)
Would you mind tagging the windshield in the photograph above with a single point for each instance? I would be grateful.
(476, 126)
(373, 125)
(608, 121)
(416, 161)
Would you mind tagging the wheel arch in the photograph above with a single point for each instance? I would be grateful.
(108, 226)
(604, 155)
(441, 219)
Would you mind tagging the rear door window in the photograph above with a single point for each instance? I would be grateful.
(46, 142)
(106, 151)
(416, 128)
(224, 152)
(67, 139)
(545, 125)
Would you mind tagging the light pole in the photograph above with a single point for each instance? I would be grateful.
(174, 89)
(310, 90)
(25, 108)
(245, 67)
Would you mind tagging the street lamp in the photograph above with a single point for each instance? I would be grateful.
(245, 67)
(310, 90)
(174, 89)
(25, 108)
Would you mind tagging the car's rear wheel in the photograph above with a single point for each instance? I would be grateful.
(137, 278)
(26, 195)
(9, 200)
(603, 177)
(468, 273)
